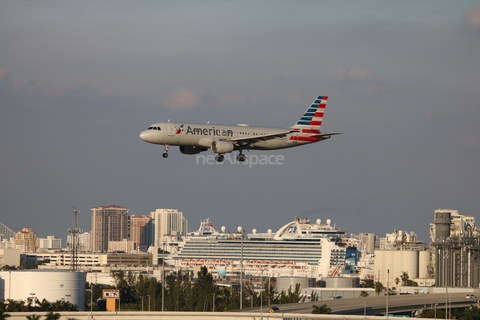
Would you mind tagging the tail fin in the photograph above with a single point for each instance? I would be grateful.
(313, 117)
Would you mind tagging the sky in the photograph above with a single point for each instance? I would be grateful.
(79, 81)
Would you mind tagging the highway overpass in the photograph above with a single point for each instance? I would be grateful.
(350, 309)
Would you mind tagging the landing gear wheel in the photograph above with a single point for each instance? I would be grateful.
(165, 154)
(241, 157)
(219, 157)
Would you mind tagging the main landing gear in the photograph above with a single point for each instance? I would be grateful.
(165, 154)
(240, 158)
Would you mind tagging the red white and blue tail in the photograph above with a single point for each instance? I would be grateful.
(313, 117)
(308, 127)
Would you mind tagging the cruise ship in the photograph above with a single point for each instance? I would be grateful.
(299, 248)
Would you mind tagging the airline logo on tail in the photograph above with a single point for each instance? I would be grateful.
(313, 117)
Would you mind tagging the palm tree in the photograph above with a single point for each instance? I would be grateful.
(364, 294)
(404, 277)
(379, 287)
(33, 317)
(4, 315)
(52, 316)
(323, 309)
(397, 281)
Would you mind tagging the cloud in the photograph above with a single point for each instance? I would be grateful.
(473, 17)
(183, 98)
(345, 74)
(6, 82)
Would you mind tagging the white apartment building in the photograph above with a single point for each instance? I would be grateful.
(167, 222)
(51, 242)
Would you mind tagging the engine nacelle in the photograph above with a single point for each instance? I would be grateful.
(191, 149)
(222, 146)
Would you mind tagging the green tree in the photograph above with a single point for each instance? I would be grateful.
(33, 317)
(323, 309)
(379, 287)
(4, 315)
(364, 294)
(52, 316)
(202, 290)
(367, 283)
(397, 281)
(472, 313)
(404, 278)
(187, 288)
(290, 296)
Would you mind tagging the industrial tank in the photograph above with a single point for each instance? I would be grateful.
(284, 283)
(51, 285)
(395, 263)
(341, 282)
(423, 261)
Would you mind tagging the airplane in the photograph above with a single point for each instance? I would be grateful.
(193, 138)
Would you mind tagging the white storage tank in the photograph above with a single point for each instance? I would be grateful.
(284, 283)
(424, 260)
(341, 282)
(51, 285)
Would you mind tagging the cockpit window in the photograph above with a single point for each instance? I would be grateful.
(154, 128)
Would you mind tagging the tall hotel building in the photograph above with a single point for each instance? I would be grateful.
(141, 230)
(109, 223)
(167, 222)
(26, 240)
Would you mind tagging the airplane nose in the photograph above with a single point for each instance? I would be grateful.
(144, 135)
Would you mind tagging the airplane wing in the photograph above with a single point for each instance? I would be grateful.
(243, 141)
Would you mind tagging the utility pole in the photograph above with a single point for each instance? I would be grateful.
(240, 229)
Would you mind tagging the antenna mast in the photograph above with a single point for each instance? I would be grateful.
(73, 233)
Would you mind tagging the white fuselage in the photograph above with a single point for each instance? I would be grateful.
(202, 135)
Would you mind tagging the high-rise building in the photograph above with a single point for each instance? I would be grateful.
(51, 242)
(26, 240)
(109, 223)
(167, 222)
(140, 230)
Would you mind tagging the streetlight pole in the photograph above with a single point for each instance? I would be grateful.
(445, 258)
(240, 229)
(364, 307)
(163, 275)
(388, 277)
(91, 300)
(450, 305)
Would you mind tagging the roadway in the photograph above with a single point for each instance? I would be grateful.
(377, 305)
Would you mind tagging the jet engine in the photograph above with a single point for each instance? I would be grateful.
(222, 146)
(191, 149)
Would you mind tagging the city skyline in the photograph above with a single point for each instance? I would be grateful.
(79, 81)
(179, 225)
